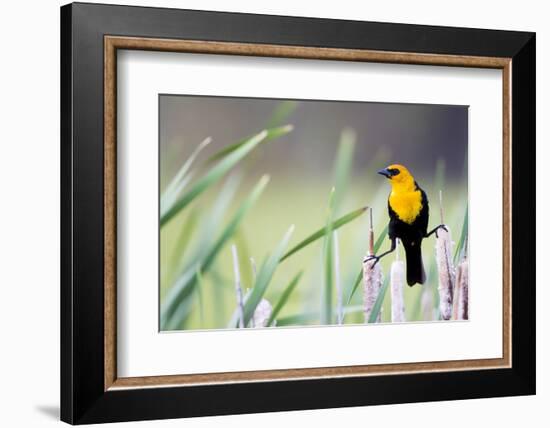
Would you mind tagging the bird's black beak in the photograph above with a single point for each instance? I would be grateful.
(385, 172)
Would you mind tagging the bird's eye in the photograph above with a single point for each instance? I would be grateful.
(393, 171)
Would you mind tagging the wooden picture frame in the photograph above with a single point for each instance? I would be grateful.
(91, 390)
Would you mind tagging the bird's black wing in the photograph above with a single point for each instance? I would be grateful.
(422, 220)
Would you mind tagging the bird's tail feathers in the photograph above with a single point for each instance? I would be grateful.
(415, 267)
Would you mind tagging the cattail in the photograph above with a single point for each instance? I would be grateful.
(238, 289)
(262, 313)
(372, 283)
(372, 278)
(338, 280)
(427, 303)
(397, 281)
(461, 291)
(446, 273)
(445, 269)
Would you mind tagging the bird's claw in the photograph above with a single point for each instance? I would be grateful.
(372, 257)
(441, 226)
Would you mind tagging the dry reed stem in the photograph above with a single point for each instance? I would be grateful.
(371, 234)
(446, 272)
(238, 289)
(397, 282)
(461, 292)
(372, 278)
(262, 313)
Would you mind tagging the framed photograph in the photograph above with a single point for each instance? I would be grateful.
(265, 213)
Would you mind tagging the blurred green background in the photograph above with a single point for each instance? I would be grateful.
(331, 144)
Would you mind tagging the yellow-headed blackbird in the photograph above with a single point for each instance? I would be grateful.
(409, 213)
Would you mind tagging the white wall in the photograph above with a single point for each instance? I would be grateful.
(29, 229)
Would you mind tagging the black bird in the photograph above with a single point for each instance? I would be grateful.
(409, 214)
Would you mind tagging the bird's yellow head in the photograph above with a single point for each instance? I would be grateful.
(399, 176)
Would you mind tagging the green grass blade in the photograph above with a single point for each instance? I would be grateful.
(342, 168)
(326, 303)
(175, 185)
(207, 228)
(182, 241)
(298, 319)
(215, 216)
(182, 289)
(281, 113)
(284, 297)
(213, 175)
(326, 309)
(265, 273)
(356, 283)
(463, 235)
(308, 317)
(177, 302)
(321, 232)
(380, 239)
(244, 258)
(264, 276)
(359, 277)
(169, 199)
(271, 134)
(180, 316)
(200, 287)
(379, 300)
(234, 321)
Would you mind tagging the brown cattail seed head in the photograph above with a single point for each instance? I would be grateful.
(446, 272)
(372, 283)
(461, 291)
(262, 313)
(397, 282)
